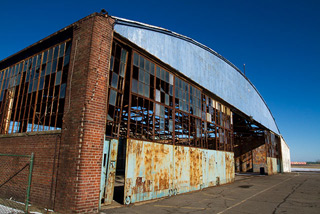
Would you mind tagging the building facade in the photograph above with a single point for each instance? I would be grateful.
(116, 108)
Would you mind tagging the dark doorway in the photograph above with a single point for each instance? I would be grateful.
(120, 172)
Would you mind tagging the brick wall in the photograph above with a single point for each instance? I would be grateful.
(45, 146)
(68, 163)
(78, 183)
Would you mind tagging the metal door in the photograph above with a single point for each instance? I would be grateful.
(108, 170)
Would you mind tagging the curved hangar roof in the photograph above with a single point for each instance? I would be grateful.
(201, 64)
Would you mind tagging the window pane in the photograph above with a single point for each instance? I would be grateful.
(157, 110)
(171, 79)
(158, 95)
(141, 86)
(162, 123)
(147, 78)
(113, 97)
(146, 91)
(151, 68)
(122, 69)
(114, 82)
(141, 62)
(41, 83)
(158, 72)
(162, 74)
(136, 59)
(58, 78)
(63, 90)
(54, 66)
(111, 63)
(134, 86)
(55, 53)
(68, 48)
(61, 50)
(123, 55)
(162, 112)
(167, 76)
(170, 125)
(167, 99)
(147, 65)
(141, 75)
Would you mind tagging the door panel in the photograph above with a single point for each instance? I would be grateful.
(104, 167)
(111, 171)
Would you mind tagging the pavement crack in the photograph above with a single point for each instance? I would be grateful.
(285, 199)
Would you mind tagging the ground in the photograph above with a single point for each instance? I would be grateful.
(308, 166)
(282, 193)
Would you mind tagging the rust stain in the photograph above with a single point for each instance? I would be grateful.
(114, 151)
(228, 167)
(148, 154)
(158, 168)
(211, 170)
(194, 167)
(147, 186)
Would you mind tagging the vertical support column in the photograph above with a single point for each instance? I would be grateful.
(8, 110)
(79, 173)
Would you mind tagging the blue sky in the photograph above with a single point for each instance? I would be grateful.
(279, 41)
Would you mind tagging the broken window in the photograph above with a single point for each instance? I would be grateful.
(117, 77)
(32, 91)
(159, 106)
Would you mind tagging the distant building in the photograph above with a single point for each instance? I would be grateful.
(298, 163)
(106, 98)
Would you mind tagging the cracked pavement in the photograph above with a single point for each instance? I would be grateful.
(282, 193)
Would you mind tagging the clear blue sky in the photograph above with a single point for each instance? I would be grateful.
(279, 41)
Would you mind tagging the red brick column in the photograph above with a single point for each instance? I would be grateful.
(78, 183)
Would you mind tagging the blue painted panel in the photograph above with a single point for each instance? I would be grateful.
(111, 171)
(202, 66)
(104, 165)
(156, 170)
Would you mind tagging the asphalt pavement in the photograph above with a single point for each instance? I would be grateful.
(282, 193)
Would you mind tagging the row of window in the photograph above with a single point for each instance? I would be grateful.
(32, 91)
(158, 106)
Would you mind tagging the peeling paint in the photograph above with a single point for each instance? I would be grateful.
(156, 170)
(111, 172)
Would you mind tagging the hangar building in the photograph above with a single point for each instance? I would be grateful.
(113, 108)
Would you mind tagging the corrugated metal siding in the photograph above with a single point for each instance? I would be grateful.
(156, 170)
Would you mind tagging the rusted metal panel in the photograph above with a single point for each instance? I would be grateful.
(211, 168)
(156, 170)
(182, 169)
(272, 166)
(259, 158)
(148, 171)
(229, 167)
(111, 172)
